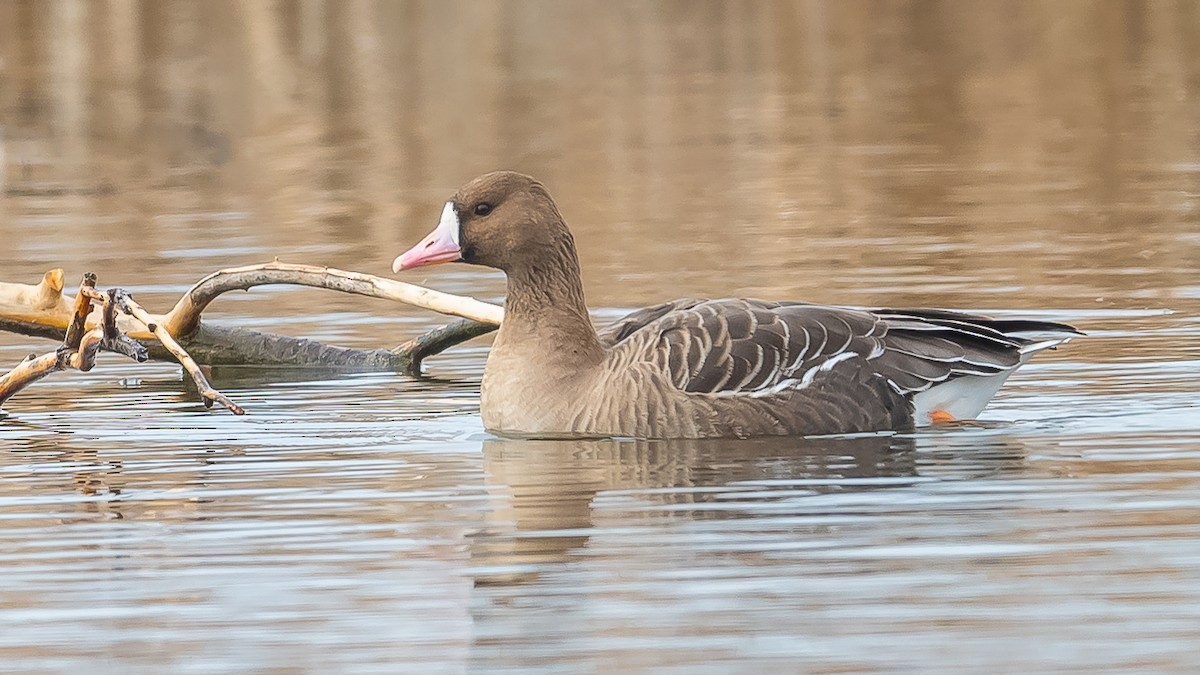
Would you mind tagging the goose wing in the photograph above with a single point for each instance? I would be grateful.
(752, 348)
(744, 347)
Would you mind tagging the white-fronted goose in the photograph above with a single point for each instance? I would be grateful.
(704, 368)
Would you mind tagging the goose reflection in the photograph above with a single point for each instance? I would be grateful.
(546, 490)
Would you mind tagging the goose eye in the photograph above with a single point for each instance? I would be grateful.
(483, 208)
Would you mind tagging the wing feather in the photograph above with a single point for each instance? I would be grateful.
(757, 349)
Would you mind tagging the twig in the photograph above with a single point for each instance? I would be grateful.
(114, 339)
(128, 305)
(32, 369)
(83, 307)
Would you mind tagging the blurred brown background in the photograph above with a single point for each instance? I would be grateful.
(975, 152)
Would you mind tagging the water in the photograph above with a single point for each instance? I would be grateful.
(1033, 158)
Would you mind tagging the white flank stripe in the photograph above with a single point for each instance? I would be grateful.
(834, 360)
(791, 382)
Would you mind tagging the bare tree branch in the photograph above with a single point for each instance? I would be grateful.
(32, 369)
(42, 310)
(184, 317)
(81, 344)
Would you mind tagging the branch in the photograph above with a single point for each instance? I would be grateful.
(42, 303)
(80, 344)
(185, 316)
(440, 339)
(217, 345)
(41, 310)
(79, 347)
(126, 304)
(83, 307)
(32, 369)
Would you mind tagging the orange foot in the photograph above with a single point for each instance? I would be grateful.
(940, 417)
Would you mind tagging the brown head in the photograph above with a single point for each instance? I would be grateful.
(502, 219)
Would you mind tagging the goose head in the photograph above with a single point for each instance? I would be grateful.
(504, 220)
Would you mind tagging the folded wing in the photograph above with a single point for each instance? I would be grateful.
(755, 349)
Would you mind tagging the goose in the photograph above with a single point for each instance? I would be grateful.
(696, 368)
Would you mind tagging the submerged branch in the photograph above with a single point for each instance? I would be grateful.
(440, 339)
(216, 345)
